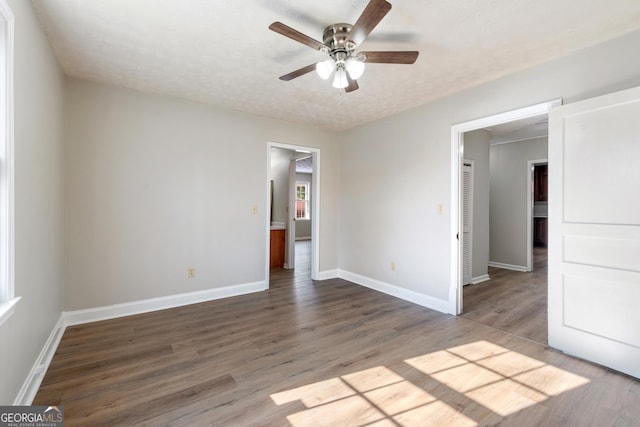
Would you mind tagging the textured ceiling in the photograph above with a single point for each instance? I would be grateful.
(221, 52)
(304, 165)
(520, 130)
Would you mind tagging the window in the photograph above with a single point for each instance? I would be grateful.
(302, 200)
(7, 297)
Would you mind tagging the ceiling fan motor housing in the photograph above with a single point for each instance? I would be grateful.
(335, 37)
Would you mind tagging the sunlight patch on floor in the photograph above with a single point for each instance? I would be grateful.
(373, 397)
(499, 379)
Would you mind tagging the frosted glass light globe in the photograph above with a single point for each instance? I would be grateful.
(355, 68)
(325, 68)
(340, 81)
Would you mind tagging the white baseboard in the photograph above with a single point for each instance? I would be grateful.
(161, 303)
(396, 291)
(508, 266)
(480, 279)
(31, 385)
(68, 318)
(328, 274)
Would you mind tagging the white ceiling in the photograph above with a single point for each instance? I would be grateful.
(304, 165)
(221, 52)
(520, 130)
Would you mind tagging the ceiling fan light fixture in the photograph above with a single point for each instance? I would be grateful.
(340, 42)
(340, 80)
(325, 68)
(355, 68)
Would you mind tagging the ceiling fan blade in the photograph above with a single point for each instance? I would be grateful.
(394, 57)
(353, 85)
(296, 35)
(371, 16)
(297, 73)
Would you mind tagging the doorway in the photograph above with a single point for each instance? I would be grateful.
(286, 218)
(503, 291)
(538, 209)
(457, 190)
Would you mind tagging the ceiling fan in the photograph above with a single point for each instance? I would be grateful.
(340, 42)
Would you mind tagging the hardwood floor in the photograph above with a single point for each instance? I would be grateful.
(513, 301)
(328, 353)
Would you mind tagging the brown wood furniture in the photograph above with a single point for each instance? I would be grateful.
(540, 232)
(277, 248)
(540, 177)
(540, 194)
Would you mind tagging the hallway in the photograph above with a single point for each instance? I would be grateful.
(301, 275)
(512, 301)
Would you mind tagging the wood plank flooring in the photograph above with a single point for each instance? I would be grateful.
(328, 353)
(513, 301)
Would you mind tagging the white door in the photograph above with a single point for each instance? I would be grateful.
(290, 248)
(467, 221)
(594, 230)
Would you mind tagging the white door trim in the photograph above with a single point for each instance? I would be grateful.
(315, 207)
(457, 152)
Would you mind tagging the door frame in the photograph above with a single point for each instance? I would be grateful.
(457, 154)
(315, 207)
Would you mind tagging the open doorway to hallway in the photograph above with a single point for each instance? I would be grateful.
(293, 215)
(512, 301)
(298, 277)
(506, 203)
(507, 278)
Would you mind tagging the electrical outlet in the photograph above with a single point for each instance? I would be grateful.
(393, 266)
(191, 272)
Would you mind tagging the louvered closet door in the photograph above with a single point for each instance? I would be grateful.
(594, 230)
(467, 221)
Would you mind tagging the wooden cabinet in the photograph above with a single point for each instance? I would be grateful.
(540, 178)
(540, 232)
(540, 197)
(277, 248)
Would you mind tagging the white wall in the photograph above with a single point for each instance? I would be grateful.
(39, 132)
(156, 185)
(509, 199)
(396, 171)
(152, 186)
(476, 148)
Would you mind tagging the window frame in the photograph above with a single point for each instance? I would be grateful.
(8, 299)
(307, 211)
